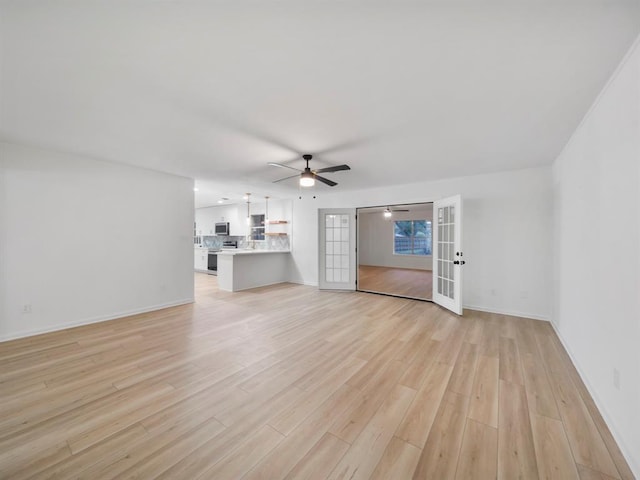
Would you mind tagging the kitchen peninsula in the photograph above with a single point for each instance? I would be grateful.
(242, 269)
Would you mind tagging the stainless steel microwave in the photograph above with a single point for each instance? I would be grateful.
(222, 228)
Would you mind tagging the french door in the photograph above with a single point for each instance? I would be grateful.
(448, 258)
(337, 249)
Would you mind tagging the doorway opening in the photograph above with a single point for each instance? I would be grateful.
(395, 250)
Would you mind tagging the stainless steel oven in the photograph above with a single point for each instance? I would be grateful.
(212, 262)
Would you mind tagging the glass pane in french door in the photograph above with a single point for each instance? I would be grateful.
(446, 236)
(336, 248)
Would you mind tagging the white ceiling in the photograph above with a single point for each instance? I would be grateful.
(401, 91)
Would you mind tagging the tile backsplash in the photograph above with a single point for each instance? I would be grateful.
(276, 242)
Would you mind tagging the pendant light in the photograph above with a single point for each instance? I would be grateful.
(248, 208)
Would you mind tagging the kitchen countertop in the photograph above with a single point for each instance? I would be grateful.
(242, 251)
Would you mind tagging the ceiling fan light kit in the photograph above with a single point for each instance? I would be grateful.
(307, 176)
(306, 179)
(388, 212)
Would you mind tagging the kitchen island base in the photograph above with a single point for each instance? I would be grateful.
(244, 269)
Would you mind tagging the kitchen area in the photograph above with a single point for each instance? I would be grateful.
(246, 245)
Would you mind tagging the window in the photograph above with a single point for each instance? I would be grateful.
(257, 227)
(412, 237)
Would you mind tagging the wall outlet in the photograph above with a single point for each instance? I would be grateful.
(616, 378)
(26, 308)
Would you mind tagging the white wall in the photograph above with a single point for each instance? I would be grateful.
(506, 235)
(597, 223)
(376, 235)
(84, 240)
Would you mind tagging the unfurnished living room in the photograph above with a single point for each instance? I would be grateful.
(319, 239)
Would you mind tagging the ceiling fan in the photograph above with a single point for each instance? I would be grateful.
(308, 176)
(388, 211)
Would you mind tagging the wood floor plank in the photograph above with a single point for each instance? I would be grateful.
(175, 429)
(490, 343)
(483, 406)
(510, 365)
(461, 380)
(283, 459)
(416, 425)
(246, 456)
(440, 454)
(350, 423)
(396, 281)
(474, 334)
(552, 359)
(44, 434)
(552, 449)
(287, 381)
(217, 447)
(44, 458)
(398, 461)
(588, 474)
(320, 460)
(516, 452)
(539, 393)
(145, 462)
(416, 373)
(448, 353)
(477, 460)
(526, 340)
(362, 457)
(311, 400)
(615, 452)
(109, 452)
(586, 442)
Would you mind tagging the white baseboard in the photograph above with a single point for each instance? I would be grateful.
(88, 321)
(624, 448)
(511, 313)
(298, 281)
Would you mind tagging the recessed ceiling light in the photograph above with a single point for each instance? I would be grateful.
(195, 189)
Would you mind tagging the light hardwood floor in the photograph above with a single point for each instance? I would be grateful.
(404, 282)
(291, 382)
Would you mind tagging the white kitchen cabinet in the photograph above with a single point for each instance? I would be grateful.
(200, 259)
(236, 215)
(205, 221)
(238, 220)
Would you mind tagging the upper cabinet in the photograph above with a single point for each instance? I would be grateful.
(204, 222)
(237, 221)
(279, 212)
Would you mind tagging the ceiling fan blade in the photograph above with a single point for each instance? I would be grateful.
(286, 178)
(393, 210)
(337, 168)
(324, 180)
(273, 164)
